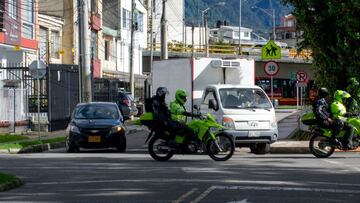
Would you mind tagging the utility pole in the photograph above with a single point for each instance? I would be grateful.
(240, 52)
(192, 42)
(152, 10)
(164, 47)
(86, 52)
(79, 4)
(206, 34)
(132, 82)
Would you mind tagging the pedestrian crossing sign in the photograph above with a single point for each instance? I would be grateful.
(271, 51)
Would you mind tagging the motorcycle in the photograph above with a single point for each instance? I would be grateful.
(209, 138)
(320, 143)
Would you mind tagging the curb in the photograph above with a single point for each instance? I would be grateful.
(47, 146)
(289, 150)
(11, 185)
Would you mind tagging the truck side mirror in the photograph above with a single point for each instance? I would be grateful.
(212, 104)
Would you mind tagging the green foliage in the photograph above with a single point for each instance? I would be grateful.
(19, 145)
(6, 178)
(332, 31)
(11, 138)
(300, 135)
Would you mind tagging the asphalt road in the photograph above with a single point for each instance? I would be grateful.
(108, 176)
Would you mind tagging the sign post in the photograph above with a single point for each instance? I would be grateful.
(37, 70)
(302, 79)
(271, 68)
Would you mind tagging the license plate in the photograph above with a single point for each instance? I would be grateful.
(94, 139)
(254, 134)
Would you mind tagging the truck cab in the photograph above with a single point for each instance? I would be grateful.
(247, 113)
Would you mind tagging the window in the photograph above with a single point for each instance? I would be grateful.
(28, 19)
(28, 30)
(55, 44)
(126, 19)
(107, 50)
(246, 34)
(140, 21)
(209, 95)
(94, 44)
(2, 4)
(43, 41)
(13, 8)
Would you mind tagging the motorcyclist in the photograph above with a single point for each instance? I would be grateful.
(177, 108)
(339, 113)
(323, 114)
(163, 115)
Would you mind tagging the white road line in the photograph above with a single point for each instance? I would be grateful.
(345, 166)
(184, 196)
(290, 189)
(204, 194)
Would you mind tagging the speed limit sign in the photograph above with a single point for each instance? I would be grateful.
(271, 68)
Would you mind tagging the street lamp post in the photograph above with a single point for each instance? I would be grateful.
(271, 14)
(204, 15)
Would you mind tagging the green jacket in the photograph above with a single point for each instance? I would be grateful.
(338, 110)
(177, 111)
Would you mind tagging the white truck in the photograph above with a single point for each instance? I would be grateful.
(225, 88)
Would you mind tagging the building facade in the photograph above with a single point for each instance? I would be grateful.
(18, 31)
(287, 32)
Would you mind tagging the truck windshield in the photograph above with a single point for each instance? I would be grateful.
(243, 98)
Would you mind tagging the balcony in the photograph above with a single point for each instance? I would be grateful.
(96, 21)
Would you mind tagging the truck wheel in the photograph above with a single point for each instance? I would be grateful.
(261, 148)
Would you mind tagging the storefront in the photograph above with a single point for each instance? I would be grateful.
(285, 81)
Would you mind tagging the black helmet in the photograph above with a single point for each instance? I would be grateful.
(161, 92)
(323, 92)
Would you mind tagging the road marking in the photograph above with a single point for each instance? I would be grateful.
(264, 188)
(184, 196)
(204, 194)
(346, 166)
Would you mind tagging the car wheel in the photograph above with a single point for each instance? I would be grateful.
(70, 147)
(261, 148)
(121, 146)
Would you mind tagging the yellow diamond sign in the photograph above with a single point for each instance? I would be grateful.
(271, 51)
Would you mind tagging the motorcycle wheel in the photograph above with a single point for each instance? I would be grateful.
(159, 149)
(320, 146)
(226, 145)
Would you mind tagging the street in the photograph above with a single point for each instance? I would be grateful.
(108, 176)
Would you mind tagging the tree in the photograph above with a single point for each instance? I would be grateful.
(331, 29)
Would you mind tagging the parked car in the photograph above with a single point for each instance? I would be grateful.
(127, 105)
(96, 125)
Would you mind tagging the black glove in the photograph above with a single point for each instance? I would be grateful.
(348, 114)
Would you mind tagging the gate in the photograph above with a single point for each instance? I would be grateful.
(63, 94)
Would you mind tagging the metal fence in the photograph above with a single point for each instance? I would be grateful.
(13, 106)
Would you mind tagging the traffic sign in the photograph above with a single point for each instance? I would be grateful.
(271, 68)
(301, 77)
(270, 51)
(37, 72)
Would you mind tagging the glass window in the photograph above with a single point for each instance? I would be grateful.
(126, 19)
(28, 30)
(97, 112)
(239, 98)
(246, 34)
(28, 11)
(140, 21)
(94, 44)
(55, 44)
(107, 50)
(13, 8)
(43, 41)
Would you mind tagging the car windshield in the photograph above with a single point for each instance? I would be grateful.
(97, 112)
(242, 98)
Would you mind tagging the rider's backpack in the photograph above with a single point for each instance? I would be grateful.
(148, 105)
